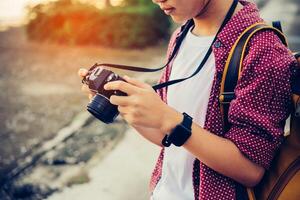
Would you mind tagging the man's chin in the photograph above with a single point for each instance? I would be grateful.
(178, 19)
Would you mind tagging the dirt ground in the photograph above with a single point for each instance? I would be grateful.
(40, 90)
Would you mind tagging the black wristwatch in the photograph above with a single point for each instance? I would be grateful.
(180, 134)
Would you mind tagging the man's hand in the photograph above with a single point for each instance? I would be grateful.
(143, 107)
(154, 135)
(82, 73)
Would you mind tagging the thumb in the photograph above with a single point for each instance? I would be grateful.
(82, 72)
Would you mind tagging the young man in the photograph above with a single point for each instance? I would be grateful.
(211, 163)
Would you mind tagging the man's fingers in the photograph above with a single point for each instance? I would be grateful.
(91, 96)
(85, 88)
(123, 109)
(136, 82)
(120, 100)
(122, 86)
(82, 72)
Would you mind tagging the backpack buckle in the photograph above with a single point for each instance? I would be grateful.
(226, 97)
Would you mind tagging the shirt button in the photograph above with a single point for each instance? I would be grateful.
(218, 44)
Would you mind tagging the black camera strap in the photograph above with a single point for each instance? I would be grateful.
(184, 30)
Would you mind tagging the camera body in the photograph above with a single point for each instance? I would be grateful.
(100, 106)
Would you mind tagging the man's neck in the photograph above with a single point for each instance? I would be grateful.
(208, 22)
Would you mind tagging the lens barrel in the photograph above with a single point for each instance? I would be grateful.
(101, 108)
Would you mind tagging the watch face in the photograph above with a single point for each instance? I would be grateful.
(179, 135)
(181, 128)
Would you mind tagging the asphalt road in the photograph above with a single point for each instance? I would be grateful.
(122, 175)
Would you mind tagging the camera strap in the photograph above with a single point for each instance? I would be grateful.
(184, 30)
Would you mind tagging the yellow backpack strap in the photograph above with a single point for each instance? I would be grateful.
(233, 69)
(234, 66)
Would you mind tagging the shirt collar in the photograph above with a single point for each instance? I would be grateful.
(244, 18)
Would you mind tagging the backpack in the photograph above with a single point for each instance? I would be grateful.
(282, 180)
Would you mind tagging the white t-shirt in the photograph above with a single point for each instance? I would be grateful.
(190, 96)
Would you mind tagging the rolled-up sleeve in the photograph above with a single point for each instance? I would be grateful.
(263, 99)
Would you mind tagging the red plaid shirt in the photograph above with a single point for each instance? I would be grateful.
(257, 115)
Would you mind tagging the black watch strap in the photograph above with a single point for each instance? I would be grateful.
(180, 133)
(166, 142)
(187, 121)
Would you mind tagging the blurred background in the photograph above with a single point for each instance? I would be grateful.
(50, 147)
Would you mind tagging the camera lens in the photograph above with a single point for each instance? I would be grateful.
(100, 106)
(102, 109)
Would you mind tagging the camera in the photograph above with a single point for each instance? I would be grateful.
(100, 106)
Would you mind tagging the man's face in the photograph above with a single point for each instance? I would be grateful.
(181, 10)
